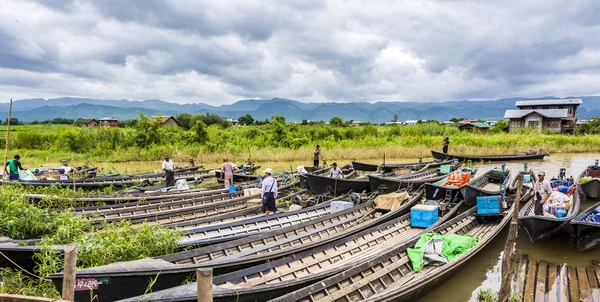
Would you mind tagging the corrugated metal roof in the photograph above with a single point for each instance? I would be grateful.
(549, 102)
(551, 113)
(478, 125)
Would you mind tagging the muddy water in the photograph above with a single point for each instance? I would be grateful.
(484, 270)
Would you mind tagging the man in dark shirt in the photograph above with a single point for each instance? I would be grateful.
(14, 165)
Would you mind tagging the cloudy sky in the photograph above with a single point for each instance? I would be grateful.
(221, 51)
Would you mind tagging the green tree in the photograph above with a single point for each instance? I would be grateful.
(336, 121)
(279, 118)
(246, 119)
(212, 119)
(501, 126)
(304, 122)
(200, 133)
(395, 119)
(13, 121)
(185, 119)
(456, 120)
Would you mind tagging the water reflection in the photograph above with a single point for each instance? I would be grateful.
(484, 270)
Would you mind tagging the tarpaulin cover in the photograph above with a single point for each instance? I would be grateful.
(454, 246)
(390, 201)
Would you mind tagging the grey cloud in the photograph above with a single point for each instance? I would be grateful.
(310, 50)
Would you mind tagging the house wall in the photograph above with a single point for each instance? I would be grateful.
(109, 123)
(171, 122)
(91, 124)
(550, 123)
(571, 116)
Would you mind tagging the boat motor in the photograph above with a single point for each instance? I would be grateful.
(382, 189)
(562, 173)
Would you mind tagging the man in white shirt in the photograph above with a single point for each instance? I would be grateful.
(169, 168)
(335, 171)
(541, 192)
(269, 192)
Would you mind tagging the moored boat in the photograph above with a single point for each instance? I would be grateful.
(489, 183)
(390, 275)
(324, 184)
(542, 227)
(504, 157)
(414, 180)
(589, 181)
(586, 227)
(447, 188)
(388, 167)
(173, 269)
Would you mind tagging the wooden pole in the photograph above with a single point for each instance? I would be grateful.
(508, 257)
(204, 284)
(73, 167)
(249, 155)
(68, 288)
(6, 147)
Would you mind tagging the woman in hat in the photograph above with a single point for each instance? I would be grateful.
(269, 192)
(169, 167)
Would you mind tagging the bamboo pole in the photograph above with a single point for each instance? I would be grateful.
(204, 284)
(73, 167)
(6, 147)
(68, 288)
(508, 257)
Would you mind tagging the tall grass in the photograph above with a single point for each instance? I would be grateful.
(276, 142)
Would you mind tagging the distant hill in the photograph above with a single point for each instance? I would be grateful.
(73, 108)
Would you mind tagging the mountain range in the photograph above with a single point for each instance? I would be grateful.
(28, 110)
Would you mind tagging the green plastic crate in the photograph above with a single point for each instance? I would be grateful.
(445, 168)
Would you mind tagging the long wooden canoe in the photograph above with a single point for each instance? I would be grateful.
(415, 180)
(388, 167)
(324, 184)
(390, 275)
(272, 279)
(505, 157)
(174, 268)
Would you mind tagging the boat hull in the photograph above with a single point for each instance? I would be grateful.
(540, 228)
(587, 234)
(591, 188)
(338, 186)
(393, 184)
(444, 156)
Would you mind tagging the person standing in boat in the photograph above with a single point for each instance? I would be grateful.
(335, 171)
(169, 168)
(541, 192)
(317, 154)
(14, 165)
(269, 192)
(227, 173)
(446, 143)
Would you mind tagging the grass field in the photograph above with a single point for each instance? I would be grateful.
(47, 145)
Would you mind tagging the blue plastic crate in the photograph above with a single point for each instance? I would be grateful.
(423, 216)
(488, 205)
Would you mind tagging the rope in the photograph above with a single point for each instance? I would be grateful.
(22, 269)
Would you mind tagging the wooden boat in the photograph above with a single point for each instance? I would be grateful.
(413, 180)
(389, 275)
(172, 269)
(488, 184)
(238, 229)
(112, 181)
(527, 185)
(587, 233)
(168, 212)
(441, 190)
(506, 157)
(278, 277)
(390, 167)
(304, 181)
(338, 186)
(591, 188)
(540, 228)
